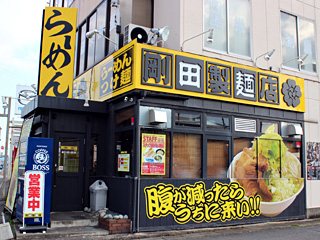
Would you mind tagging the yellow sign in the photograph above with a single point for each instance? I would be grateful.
(194, 202)
(145, 67)
(57, 52)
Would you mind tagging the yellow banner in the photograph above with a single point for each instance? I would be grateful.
(140, 66)
(57, 52)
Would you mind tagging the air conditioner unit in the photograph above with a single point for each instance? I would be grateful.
(133, 31)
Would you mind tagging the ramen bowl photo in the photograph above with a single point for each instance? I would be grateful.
(277, 193)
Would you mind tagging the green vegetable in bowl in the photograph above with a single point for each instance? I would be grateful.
(283, 176)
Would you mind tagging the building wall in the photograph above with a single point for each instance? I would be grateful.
(84, 8)
(265, 36)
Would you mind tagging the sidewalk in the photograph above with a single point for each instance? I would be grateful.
(93, 232)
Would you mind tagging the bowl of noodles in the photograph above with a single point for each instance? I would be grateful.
(269, 170)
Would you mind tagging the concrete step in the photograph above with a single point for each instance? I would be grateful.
(74, 223)
(73, 219)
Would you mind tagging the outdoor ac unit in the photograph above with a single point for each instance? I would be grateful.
(157, 117)
(133, 31)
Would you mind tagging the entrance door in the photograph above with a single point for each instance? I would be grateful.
(218, 154)
(68, 173)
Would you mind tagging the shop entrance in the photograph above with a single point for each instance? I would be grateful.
(68, 173)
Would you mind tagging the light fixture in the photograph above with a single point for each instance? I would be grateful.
(209, 38)
(266, 56)
(91, 33)
(300, 60)
(159, 34)
(115, 3)
(86, 103)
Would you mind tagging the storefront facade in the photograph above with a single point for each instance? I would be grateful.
(214, 134)
(166, 131)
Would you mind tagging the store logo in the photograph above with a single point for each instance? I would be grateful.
(41, 156)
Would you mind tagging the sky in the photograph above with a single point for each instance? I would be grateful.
(20, 34)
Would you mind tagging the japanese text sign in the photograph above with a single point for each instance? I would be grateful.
(33, 205)
(153, 154)
(57, 52)
(40, 158)
(194, 202)
(145, 67)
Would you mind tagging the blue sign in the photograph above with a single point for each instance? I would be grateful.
(40, 158)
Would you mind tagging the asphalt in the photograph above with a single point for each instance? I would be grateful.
(93, 232)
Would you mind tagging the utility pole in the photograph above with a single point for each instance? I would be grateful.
(6, 157)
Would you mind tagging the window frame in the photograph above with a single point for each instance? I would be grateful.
(195, 128)
(217, 130)
(227, 51)
(297, 26)
(86, 22)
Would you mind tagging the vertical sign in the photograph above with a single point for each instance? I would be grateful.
(153, 154)
(40, 158)
(18, 163)
(57, 52)
(33, 202)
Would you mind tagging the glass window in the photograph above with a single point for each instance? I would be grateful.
(75, 66)
(100, 41)
(218, 123)
(188, 119)
(217, 158)
(83, 31)
(68, 156)
(186, 156)
(92, 41)
(125, 117)
(298, 43)
(231, 22)
(307, 45)
(272, 126)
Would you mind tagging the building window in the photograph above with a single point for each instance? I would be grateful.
(124, 117)
(186, 156)
(92, 41)
(93, 50)
(218, 123)
(83, 30)
(100, 52)
(270, 126)
(75, 66)
(231, 22)
(298, 43)
(69, 156)
(217, 158)
(188, 119)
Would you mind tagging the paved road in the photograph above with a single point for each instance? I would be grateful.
(296, 230)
